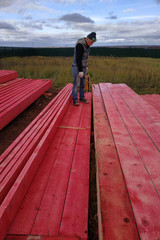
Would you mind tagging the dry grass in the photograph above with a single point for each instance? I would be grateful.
(141, 74)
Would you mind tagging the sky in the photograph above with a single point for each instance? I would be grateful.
(59, 23)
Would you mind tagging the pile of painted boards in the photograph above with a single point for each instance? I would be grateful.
(44, 185)
(16, 94)
(44, 181)
(127, 143)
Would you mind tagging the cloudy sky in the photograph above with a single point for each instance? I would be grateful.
(52, 23)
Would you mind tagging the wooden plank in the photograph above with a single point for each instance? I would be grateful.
(153, 99)
(146, 114)
(7, 75)
(18, 141)
(75, 214)
(30, 206)
(115, 216)
(17, 107)
(41, 211)
(15, 87)
(31, 237)
(13, 163)
(14, 197)
(49, 217)
(145, 146)
(140, 186)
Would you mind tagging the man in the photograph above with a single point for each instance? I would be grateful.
(79, 67)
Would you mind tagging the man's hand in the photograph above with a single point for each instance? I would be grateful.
(81, 74)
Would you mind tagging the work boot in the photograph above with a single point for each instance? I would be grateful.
(84, 100)
(75, 103)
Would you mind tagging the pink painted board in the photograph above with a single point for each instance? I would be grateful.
(31, 204)
(75, 215)
(14, 197)
(145, 146)
(26, 237)
(53, 201)
(11, 171)
(115, 216)
(18, 141)
(139, 184)
(147, 115)
(7, 75)
(17, 108)
(153, 100)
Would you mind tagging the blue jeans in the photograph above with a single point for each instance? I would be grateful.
(78, 84)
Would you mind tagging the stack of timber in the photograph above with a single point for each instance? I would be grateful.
(6, 75)
(16, 94)
(127, 145)
(46, 175)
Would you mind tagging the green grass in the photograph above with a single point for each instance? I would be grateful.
(141, 74)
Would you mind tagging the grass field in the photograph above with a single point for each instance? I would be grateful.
(141, 74)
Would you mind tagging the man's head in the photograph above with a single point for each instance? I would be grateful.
(91, 38)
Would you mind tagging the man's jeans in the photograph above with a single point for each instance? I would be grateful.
(78, 84)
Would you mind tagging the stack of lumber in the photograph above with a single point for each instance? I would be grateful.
(16, 94)
(127, 143)
(46, 175)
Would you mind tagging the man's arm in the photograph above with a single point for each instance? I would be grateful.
(79, 54)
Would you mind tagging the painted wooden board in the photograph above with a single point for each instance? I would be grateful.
(13, 162)
(7, 75)
(11, 203)
(142, 192)
(31, 237)
(16, 103)
(153, 99)
(115, 216)
(148, 151)
(41, 212)
(75, 214)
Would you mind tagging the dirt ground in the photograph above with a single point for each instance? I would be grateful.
(9, 133)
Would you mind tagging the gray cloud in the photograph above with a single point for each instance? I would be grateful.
(6, 3)
(111, 16)
(158, 1)
(76, 18)
(4, 25)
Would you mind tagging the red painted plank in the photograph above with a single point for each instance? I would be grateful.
(49, 217)
(18, 95)
(14, 197)
(11, 112)
(8, 91)
(145, 146)
(31, 237)
(115, 216)
(7, 75)
(31, 204)
(17, 142)
(13, 164)
(75, 215)
(139, 183)
(153, 100)
(144, 113)
(41, 211)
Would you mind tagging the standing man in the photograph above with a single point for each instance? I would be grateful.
(79, 67)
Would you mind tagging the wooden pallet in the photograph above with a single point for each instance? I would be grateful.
(18, 94)
(54, 180)
(7, 75)
(127, 141)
